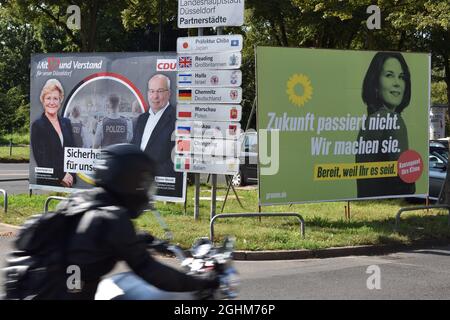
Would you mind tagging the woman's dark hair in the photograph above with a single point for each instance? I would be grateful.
(371, 84)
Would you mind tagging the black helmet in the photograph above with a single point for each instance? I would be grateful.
(128, 174)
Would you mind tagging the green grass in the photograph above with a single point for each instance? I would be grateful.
(17, 138)
(372, 222)
(18, 154)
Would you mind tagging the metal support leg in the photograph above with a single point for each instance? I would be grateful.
(213, 195)
(49, 199)
(197, 196)
(5, 203)
(247, 215)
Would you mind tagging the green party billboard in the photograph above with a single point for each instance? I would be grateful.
(341, 125)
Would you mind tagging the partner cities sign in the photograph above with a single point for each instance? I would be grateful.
(209, 95)
(208, 129)
(205, 164)
(206, 44)
(209, 112)
(210, 78)
(227, 60)
(206, 147)
(210, 13)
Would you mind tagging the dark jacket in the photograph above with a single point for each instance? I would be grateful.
(375, 187)
(106, 235)
(160, 146)
(47, 149)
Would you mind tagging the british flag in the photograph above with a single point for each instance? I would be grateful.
(184, 62)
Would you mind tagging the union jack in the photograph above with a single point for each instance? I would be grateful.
(185, 62)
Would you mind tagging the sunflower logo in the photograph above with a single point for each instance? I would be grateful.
(305, 83)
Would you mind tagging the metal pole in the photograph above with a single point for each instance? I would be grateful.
(197, 196)
(213, 195)
(251, 114)
(185, 199)
(160, 26)
(5, 204)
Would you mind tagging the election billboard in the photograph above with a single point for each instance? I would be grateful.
(83, 102)
(341, 125)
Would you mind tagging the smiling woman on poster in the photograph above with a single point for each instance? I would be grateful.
(50, 134)
(386, 93)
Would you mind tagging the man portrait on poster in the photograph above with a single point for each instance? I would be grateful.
(153, 132)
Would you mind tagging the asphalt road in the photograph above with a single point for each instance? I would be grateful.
(9, 171)
(416, 275)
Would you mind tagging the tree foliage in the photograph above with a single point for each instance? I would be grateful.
(28, 26)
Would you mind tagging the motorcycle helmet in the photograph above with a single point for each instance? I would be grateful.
(128, 174)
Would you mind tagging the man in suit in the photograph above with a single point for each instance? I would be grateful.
(153, 134)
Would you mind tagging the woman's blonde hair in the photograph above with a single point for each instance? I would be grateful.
(51, 85)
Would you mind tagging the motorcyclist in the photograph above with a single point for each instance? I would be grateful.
(105, 233)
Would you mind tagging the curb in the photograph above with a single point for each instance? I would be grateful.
(7, 160)
(333, 252)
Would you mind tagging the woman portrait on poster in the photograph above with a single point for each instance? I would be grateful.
(386, 93)
(50, 134)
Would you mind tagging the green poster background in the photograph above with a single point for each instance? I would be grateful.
(326, 83)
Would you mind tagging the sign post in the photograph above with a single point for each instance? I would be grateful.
(209, 93)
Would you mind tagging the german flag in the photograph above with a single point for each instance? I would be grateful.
(185, 95)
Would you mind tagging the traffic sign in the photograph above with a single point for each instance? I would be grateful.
(210, 44)
(211, 112)
(208, 129)
(226, 60)
(203, 14)
(213, 165)
(210, 78)
(209, 95)
(208, 147)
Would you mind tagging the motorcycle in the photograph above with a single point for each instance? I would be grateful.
(203, 260)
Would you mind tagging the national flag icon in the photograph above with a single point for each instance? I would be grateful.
(234, 43)
(185, 45)
(183, 145)
(233, 113)
(183, 129)
(234, 77)
(183, 163)
(185, 78)
(185, 94)
(233, 94)
(232, 129)
(185, 62)
(214, 80)
(233, 61)
(184, 114)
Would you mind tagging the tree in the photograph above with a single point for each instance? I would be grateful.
(17, 43)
